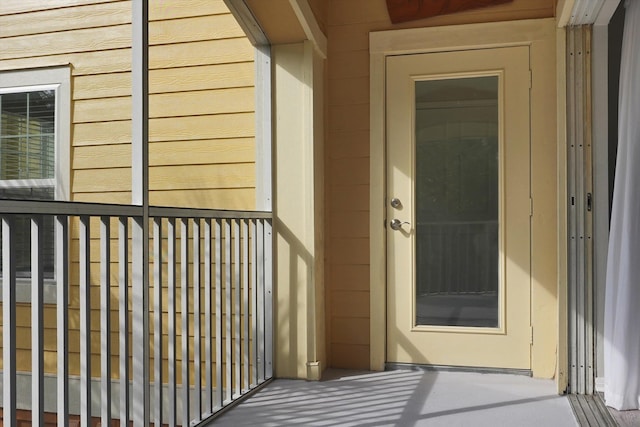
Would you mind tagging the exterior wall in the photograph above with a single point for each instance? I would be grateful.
(347, 161)
(202, 109)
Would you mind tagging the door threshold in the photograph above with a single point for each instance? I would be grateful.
(394, 366)
(590, 410)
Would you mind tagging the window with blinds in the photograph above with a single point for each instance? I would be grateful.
(27, 161)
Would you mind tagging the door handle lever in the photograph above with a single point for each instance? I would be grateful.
(396, 224)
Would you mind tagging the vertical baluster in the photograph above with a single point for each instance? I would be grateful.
(62, 310)
(105, 319)
(8, 322)
(218, 330)
(123, 314)
(208, 318)
(85, 321)
(260, 299)
(228, 309)
(197, 365)
(37, 323)
(184, 287)
(157, 318)
(246, 380)
(171, 307)
(237, 356)
(268, 292)
(254, 304)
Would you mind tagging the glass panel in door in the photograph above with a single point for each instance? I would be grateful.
(457, 202)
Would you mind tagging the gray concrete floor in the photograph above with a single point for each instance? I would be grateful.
(405, 398)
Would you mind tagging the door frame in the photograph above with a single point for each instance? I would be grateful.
(548, 223)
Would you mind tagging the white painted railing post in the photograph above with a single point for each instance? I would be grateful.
(37, 332)
(268, 302)
(62, 310)
(123, 316)
(85, 321)
(157, 321)
(8, 322)
(184, 288)
(140, 197)
(105, 320)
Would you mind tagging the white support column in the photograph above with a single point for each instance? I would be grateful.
(298, 210)
(140, 197)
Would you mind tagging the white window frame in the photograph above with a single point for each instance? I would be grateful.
(29, 80)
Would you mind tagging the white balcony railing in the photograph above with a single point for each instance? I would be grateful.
(210, 304)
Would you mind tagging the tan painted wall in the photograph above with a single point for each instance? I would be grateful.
(347, 161)
(202, 109)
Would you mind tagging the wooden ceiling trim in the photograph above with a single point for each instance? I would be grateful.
(411, 10)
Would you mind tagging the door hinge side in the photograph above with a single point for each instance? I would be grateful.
(530, 79)
(530, 206)
(531, 335)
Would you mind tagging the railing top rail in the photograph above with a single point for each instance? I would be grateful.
(171, 212)
(50, 207)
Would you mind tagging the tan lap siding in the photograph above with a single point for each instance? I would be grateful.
(347, 269)
(202, 150)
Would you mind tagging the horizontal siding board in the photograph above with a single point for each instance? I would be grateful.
(350, 224)
(350, 304)
(115, 197)
(351, 64)
(203, 127)
(167, 178)
(349, 144)
(350, 198)
(349, 117)
(213, 151)
(350, 277)
(349, 251)
(217, 198)
(117, 59)
(99, 180)
(101, 133)
(86, 40)
(102, 85)
(350, 330)
(178, 104)
(202, 177)
(167, 80)
(102, 156)
(200, 53)
(239, 125)
(66, 19)
(102, 110)
(235, 100)
(85, 63)
(350, 171)
(202, 77)
(199, 28)
(21, 6)
(351, 91)
(170, 153)
(350, 356)
(170, 9)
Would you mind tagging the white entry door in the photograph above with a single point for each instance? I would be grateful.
(458, 208)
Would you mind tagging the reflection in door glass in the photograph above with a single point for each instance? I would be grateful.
(456, 202)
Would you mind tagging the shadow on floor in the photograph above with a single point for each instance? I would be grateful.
(405, 398)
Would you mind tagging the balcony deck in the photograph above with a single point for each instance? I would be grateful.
(405, 398)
